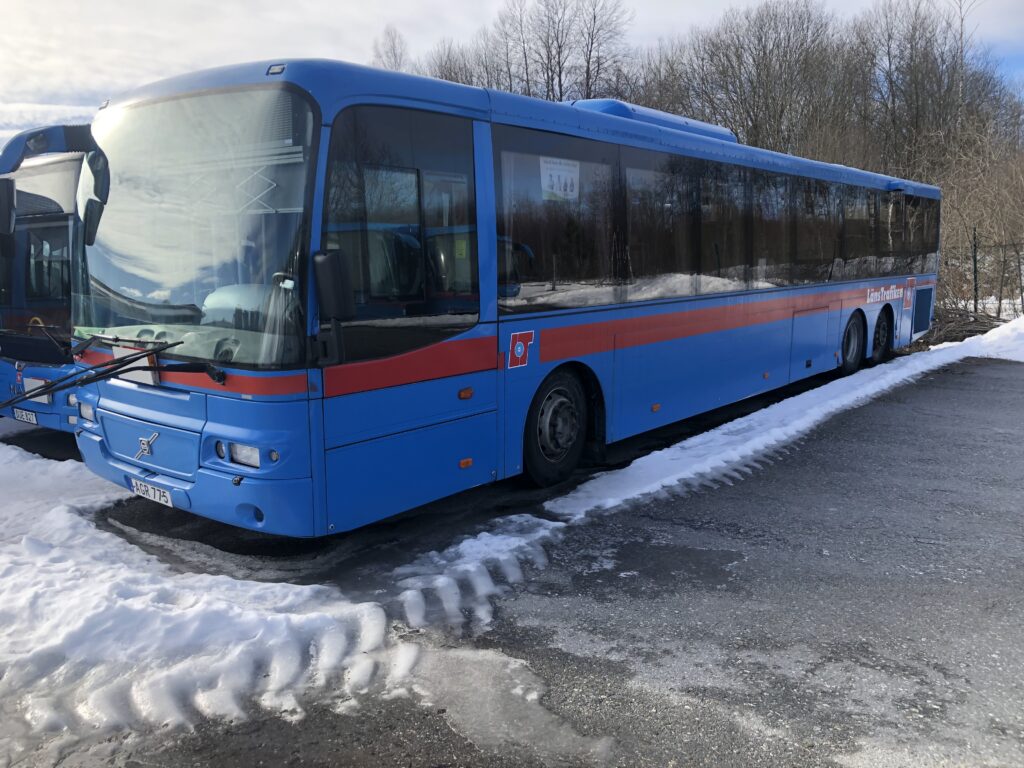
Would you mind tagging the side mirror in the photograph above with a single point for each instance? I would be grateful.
(334, 286)
(100, 169)
(91, 220)
(8, 206)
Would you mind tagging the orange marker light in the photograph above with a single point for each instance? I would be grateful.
(465, 394)
(766, 374)
(656, 407)
(465, 463)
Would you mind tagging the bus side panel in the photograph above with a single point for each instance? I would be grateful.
(811, 353)
(657, 384)
(523, 375)
(379, 478)
(398, 430)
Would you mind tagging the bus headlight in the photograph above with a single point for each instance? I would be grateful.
(72, 400)
(246, 455)
(87, 412)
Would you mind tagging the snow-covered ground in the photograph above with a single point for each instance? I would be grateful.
(97, 634)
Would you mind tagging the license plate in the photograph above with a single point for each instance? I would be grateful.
(27, 416)
(151, 492)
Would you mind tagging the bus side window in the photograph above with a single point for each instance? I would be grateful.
(858, 229)
(556, 220)
(891, 223)
(400, 207)
(723, 258)
(818, 229)
(772, 230)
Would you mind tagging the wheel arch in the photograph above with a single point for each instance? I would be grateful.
(869, 340)
(597, 410)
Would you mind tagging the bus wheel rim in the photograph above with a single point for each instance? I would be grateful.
(850, 348)
(557, 425)
(882, 332)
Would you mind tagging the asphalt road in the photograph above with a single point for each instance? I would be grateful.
(857, 602)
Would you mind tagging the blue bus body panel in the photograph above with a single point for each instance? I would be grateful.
(277, 497)
(54, 414)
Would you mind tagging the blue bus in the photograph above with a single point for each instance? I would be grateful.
(35, 272)
(320, 294)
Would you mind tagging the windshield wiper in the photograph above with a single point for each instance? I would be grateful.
(88, 375)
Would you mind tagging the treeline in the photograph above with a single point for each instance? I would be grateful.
(903, 89)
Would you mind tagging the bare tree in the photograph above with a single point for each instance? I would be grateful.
(903, 89)
(390, 51)
(600, 32)
(553, 30)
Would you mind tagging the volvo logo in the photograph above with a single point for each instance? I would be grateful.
(146, 445)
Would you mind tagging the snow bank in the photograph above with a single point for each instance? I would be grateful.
(96, 633)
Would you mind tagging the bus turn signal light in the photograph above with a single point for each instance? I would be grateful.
(465, 463)
(656, 407)
(465, 394)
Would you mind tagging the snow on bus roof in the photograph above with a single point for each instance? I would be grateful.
(337, 84)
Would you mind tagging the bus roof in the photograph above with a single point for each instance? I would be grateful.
(336, 84)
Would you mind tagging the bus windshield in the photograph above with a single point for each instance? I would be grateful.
(201, 236)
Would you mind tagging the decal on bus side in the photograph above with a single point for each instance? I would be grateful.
(888, 293)
(519, 349)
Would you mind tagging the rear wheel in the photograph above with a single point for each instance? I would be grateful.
(881, 347)
(556, 429)
(853, 345)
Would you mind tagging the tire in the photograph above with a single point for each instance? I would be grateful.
(881, 348)
(556, 429)
(853, 345)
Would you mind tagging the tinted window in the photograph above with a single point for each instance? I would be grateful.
(891, 226)
(818, 229)
(860, 217)
(772, 229)
(555, 214)
(922, 233)
(47, 272)
(723, 206)
(661, 199)
(400, 207)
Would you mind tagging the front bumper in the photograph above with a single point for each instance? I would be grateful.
(278, 506)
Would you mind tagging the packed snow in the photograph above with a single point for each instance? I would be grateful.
(97, 634)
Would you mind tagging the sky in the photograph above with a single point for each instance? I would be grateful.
(60, 59)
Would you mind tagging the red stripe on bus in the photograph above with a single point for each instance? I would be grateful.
(289, 384)
(591, 338)
(285, 384)
(449, 358)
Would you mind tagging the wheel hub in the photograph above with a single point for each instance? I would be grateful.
(557, 425)
(882, 332)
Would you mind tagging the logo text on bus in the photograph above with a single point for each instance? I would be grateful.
(888, 293)
(519, 349)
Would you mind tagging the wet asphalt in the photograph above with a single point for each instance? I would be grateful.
(855, 602)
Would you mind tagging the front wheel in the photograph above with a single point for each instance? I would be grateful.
(556, 429)
(853, 345)
(881, 348)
